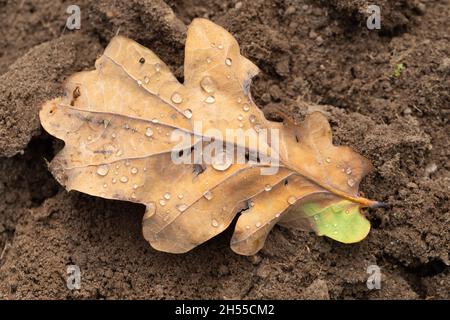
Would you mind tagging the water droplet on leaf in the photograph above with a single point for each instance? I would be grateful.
(222, 161)
(351, 182)
(177, 98)
(208, 195)
(149, 132)
(188, 113)
(102, 170)
(292, 200)
(207, 84)
(210, 99)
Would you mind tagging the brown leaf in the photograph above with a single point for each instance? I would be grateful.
(126, 122)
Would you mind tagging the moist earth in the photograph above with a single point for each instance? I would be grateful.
(385, 92)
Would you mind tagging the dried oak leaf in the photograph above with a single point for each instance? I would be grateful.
(117, 122)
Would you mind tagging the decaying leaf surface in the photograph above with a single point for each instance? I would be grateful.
(118, 121)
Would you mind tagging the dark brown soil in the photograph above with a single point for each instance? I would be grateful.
(314, 51)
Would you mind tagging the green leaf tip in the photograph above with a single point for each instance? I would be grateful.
(341, 221)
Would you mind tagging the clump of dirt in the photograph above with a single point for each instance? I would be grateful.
(313, 55)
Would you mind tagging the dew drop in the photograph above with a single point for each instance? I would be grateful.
(167, 196)
(328, 160)
(208, 60)
(220, 46)
(292, 200)
(157, 67)
(208, 195)
(135, 186)
(133, 195)
(247, 227)
(146, 79)
(177, 98)
(105, 185)
(113, 136)
(207, 84)
(252, 118)
(149, 132)
(240, 117)
(222, 161)
(162, 202)
(268, 187)
(124, 179)
(102, 170)
(210, 99)
(246, 107)
(351, 182)
(119, 153)
(258, 224)
(347, 211)
(188, 113)
(134, 170)
(154, 120)
(239, 100)
(251, 203)
(214, 223)
(114, 181)
(348, 171)
(89, 138)
(335, 232)
(277, 215)
(180, 196)
(151, 209)
(316, 217)
(139, 82)
(182, 207)
(228, 61)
